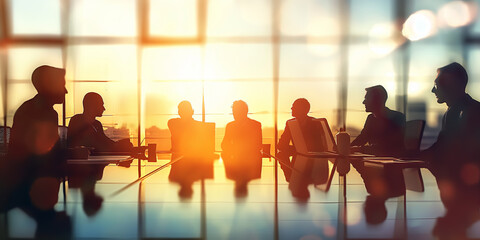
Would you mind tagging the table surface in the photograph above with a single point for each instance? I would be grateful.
(102, 159)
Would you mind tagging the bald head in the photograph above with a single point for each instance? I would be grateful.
(300, 108)
(93, 104)
(185, 109)
(240, 110)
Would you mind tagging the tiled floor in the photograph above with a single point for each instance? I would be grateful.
(153, 210)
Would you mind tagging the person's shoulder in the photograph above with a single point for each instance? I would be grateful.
(26, 110)
(474, 103)
(230, 124)
(255, 122)
(28, 105)
(76, 117)
(474, 107)
(395, 114)
(173, 122)
(291, 120)
(98, 123)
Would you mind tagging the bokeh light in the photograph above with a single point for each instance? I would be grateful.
(457, 14)
(383, 39)
(420, 25)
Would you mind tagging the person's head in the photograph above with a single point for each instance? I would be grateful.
(185, 109)
(375, 210)
(50, 83)
(300, 108)
(240, 110)
(375, 98)
(450, 83)
(93, 104)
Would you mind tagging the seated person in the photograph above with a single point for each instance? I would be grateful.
(30, 176)
(84, 130)
(241, 147)
(454, 158)
(383, 133)
(313, 135)
(190, 144)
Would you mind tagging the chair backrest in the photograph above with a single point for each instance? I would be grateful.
(299, 140)
(297, 136)
(62, 134)
(413, 134)
(4, 134)
(318, 169)
(4, 139)
(331, 145)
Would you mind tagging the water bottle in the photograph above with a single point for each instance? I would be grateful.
(343, 142)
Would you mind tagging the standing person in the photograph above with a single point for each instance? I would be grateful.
(189, 144)
(35, 163)
(241, 147)
(384, 130)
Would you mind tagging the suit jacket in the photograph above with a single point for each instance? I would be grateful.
(458, 142)
(83, 133)
(34, 148)
(384, 136)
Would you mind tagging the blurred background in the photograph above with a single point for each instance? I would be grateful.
(145, 56)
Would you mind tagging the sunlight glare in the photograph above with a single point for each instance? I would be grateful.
(420, 25)
(382, 39)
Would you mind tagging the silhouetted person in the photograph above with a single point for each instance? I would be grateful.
(187, 135)
(241, 147)
(313, 135)
(381, 184)
(35, 163)
(85, 130)
(456, 150)
(454, 158)
(383, 133)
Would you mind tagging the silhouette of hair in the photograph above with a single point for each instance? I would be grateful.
(456, 70)
(185, 109)
(91, 99)
(302, 105)
(45, 76)
(379, 92)
(240, 107)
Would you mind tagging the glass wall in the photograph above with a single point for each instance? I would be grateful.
(145, 56)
